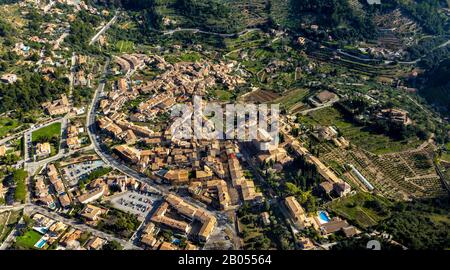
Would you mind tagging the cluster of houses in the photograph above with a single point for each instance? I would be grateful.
(128, 63)
(177, 165)
(302, 220)
(212, 192)
(58, 106)
(327, 174)
(80, 77)
(330, 133)
(395, 116)
(73, 140)
(92, 214)
(149, 240)
(190, 214)
(46, 195)
(106, 186)
(121, 129)
(191, 78)
(64, 237)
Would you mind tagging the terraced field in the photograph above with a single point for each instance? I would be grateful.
(262, 96)
(124, 46)
(292, 100)
(358, 135)
(355, 209)
(398, 175)
(356, 66)
(253, 11)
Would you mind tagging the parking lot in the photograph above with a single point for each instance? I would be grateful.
(74, 172)
(136, 203)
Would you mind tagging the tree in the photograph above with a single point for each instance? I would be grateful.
(292, 189)
(9, 159)
(112, 245)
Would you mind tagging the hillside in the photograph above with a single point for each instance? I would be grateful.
(207, 15)
(436, 90)
(341, 19)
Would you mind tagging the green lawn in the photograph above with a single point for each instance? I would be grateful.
(47, 132)
(29, 239)
(355, 209)
(223, 95)
(7, 124)
(291, 98)
(184, 57)
(446, 157)
(124, 46)
(375, 143)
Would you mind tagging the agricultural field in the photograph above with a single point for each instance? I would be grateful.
(292, 101)
(223, 95)
(48, 132)
(358, 135)
(357, 67)
(262, 96)
(124, 46)
(254, 11)
(399, 176)
(446, 157)
(221, 18)
(183, 57)
(363, 209)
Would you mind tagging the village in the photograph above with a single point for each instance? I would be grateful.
(98, 165)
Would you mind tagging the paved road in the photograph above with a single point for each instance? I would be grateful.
(72, 74)
(196, 30)
(59, 40)
(419, 59)
(32, 166)
(329, 104)
(83, 227)
(103, 30)
(14, 136)
(31, 209)
(9, 240)
(6, 222)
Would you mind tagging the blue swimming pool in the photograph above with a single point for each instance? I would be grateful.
(323, 217)
(176, 241)
(40, 243)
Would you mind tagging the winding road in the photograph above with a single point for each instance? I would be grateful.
(339, 51)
